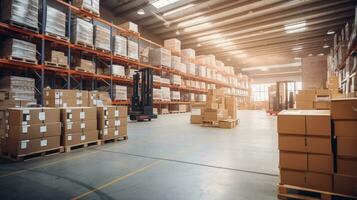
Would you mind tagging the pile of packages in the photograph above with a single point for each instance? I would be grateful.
(219, 110)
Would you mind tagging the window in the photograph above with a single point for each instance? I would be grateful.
(260, 91)
(162, 3)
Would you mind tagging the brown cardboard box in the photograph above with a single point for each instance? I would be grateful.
(295, 161)
(292, 143)
(318, 122)
(112, 133)
(307, 92)
(292, 177)
(196, 119)
(92, 98)
(33, 131)
(79, 126)
(227, 123)
(345, 128)
(344, 184)
(305, 105)
(231, 106)
(21, 116)
(347, 146)
(319, 181)
(215, 115)
(320, 163)
(23, 147)
(344, 108)
(78, 138)
(347, 166)
(305, 97)
(112, 123)
(75, 114)
(320, 145)
(108, 112)
(323, 92)
(291, 122)
(322, 105)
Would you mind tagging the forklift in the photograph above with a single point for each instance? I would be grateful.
(280, 98)
(142, 105)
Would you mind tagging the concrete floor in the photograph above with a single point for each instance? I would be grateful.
(168, 158)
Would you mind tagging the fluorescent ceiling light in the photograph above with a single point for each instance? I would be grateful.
(192, 21)
(296, 30)
(326, 46)
(264, 69)
(178, 9)
(228, 43)
(198, 27)
(236, 52)
(141, 12)
(177, 32)
(298, 48)
(295, 64)
(162, 3)
(295, 27)
(330, 32)
(320, 54)
(219, 41)
(198, 45)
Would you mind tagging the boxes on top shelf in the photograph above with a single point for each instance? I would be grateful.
(175, 79)
(88, 5)
(130, 26)
(55, 22)
(117, 70)
(188, 55)
(24, 13)
(120, 92)
(175, 62)
(120, 45)
(102, 37)
(165, 93)
(174, 45)
(133, 49)
(19, 49)
(82, 32)
(160, 57)
(157, 94)
(175, 95)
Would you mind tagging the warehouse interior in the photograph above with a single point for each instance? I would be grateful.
(178, 99)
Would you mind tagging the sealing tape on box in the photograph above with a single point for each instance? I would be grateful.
(82, 115)
(23, 144)
(43, 143)
(43, 129)
(42, 116)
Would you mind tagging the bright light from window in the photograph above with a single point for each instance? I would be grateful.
(162, 3)
(198, 27)
(178, 9)
(295, 27)
(228, 43)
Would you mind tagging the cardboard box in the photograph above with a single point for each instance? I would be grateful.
(215, 115)
(305, 97)
(323, 92)
(196, 119)
(227, 123)
(305, 105)
(33, 131)
(76, 114)
(79, 126)
(318, 122)
(344, 108)
(345, 128)
(320, 163)
(23, 147)
(347, 146)
(322, 105)
(347, 166)
(292, 122)
(292, 143)
(319, 181)
(112, 123)
(22, 116)
(292, 177)
(344, 184)
(78, 138)
(320, 145)
(292, 160)
(112, 133)
(107, 112)
(307, 92)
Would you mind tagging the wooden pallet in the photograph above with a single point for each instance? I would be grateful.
(228, 123)
(58, 37)
(32, 155)
(89, 46)
(57, 65)
(121, 56)
(23, 26)
(70, 148)
(25, 60)
(83, 70)
(209, 123)
(286, 192)
(89, 11)
(114, 140)
(103, 50)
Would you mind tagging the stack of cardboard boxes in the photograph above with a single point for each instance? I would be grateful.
(344, 119)
(112, 122)
(65, 98)
(305, 148)
(305, 99)
(30, 130)
(16, 91)
(322, 101)
(79, 126)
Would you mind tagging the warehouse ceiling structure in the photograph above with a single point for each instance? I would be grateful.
(260, 37)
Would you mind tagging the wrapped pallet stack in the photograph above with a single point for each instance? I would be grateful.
(160, 57)
(82, 32)
(120, 92)
(120, 46)
(174, 45)
(55, 22)
(112, 122)
(133, 49)
(16, 91)
(91, 6)
(20, 50)
(102, 38)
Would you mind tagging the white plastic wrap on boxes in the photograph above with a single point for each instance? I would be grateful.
(157, 78)
(191, 68)
(133, 49)
(120, 45)
(188, 55)
(201, 97)
(174, 45)
(175, 95)
(175, 79)
(165, 80)
(209, 73)
(102, 37)
(192, 96)
(82, 31)
(90, 5)
(219, 64)
(157, 94)
(55, 22)
(201, 71)
(130, 26)
(24, 12)
(117, 70)
(19, 49)
(182, 68)
(160, 57)
(202, 85)
(165, 93)
(175, 62)
(120, 92)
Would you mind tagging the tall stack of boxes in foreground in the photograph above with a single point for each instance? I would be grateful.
(317, 148)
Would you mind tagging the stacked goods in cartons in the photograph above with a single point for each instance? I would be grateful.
(102, 38)
(117, 70)
(120, 92)
(174, 45)
(191, 68)
(333, 85)
(178, 108)
(156, 78)
(56, 57)
(88, 5)
(323, 100)
(231, 105)
(157, 94)
(19, 49)
(197, 112)
(202, 85)
(188, 56)
(175, 79)
(344, 119)
(165, 80)
(120, 45)
(192, 96)
(79, 126)
(160, 57)
(200, 97)
(314, 70)
(215, 107)
(305, 99)
(305, 149)
(176, 62)
(112, 122)
(175, 95)
(130, 73)
(85, 65)
(31, 130)
(165, 94)
(133, 49)
(65, 98)
(16, 91)
(130, 26)
(103, 99)
(23, 12)
(201, 71)
(55, 22)
(82, 32)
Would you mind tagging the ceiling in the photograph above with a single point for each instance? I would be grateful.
(244, 33)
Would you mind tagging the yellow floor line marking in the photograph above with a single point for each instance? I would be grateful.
(184, 151)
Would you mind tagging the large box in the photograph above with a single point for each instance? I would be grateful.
(120, 92)
(75, 114)
(24, 12)
(346, 146)
(120, 45)
(344, 184)
(196, 119)
(55, 22)
(292, 143)
(320, 163)
(215, 115)
(344, 108)
(292, 122)
(108, 112)
(70, 127)
(78, 138)
(130, 26)
(82, 32)
(318, 122)
(174, 45)
(102, 38)
(160, 57)
(27, 116)
(33, 131)
(347, 166)
(319, 181)
(133, 49)
(18, 49)
(345, 128)
(23, 147)
(88, 5)
(292, 160)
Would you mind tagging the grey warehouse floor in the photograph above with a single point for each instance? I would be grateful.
(167, 158)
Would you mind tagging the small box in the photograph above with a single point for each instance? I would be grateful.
(292, 122)
(347, 146)
(294, 161)
(130, 26)
(344, 184)
(196, 119)
(344, 108)
(292, 143)
(345, 128)
(347, 166)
